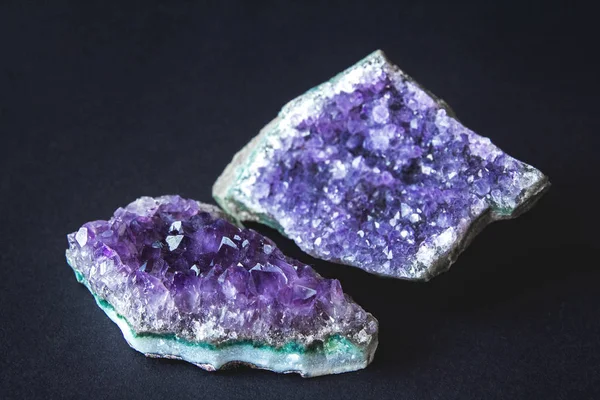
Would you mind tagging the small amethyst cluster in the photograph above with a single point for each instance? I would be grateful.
(174, 265)
(369, 170)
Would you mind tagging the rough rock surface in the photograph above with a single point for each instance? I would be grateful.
(182, 281)
(371, 170)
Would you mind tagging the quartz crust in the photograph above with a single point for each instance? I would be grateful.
(183, 281)
(371, 170)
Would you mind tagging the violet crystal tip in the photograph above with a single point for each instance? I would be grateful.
(182, 281)
(371, 170)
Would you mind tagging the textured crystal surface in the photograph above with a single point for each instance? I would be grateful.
(179, 270)
(371, 170)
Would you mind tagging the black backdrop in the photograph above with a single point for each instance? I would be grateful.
(100, 104)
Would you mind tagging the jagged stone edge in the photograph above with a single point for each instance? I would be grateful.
(445, 260)
(226, 184)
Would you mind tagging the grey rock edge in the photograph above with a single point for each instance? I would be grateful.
(232, 187)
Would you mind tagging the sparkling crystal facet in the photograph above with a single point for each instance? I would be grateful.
(371, 170)
(211, 292)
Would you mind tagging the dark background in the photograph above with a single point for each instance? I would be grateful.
(101, 104)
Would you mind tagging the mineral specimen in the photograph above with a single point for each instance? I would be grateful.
(182, 281)
(371, 170)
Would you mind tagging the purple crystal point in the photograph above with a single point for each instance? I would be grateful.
(371, 170)
(182, 281)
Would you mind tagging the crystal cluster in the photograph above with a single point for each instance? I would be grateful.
(177, 271)
(372, 171)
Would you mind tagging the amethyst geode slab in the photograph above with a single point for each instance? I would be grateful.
(182, 281)
(371, 170)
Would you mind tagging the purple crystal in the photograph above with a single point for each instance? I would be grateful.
(372, 171)
(181, 271)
